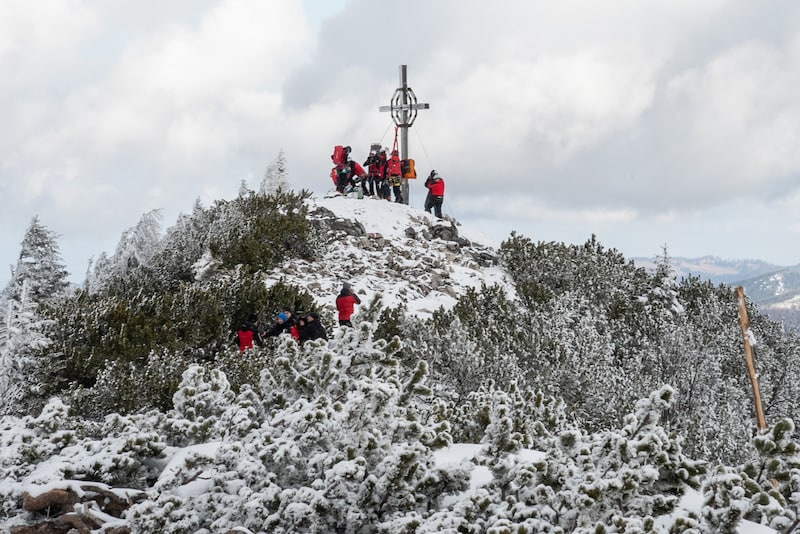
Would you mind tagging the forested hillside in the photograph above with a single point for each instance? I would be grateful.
(631, 383)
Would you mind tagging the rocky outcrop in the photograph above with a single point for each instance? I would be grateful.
(78, 507)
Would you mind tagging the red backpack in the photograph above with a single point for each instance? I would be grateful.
(394, 167)
(339, 156)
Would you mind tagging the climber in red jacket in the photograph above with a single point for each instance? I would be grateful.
(346, 303)
(435, 185)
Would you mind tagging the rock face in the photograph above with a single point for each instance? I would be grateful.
(325, 220)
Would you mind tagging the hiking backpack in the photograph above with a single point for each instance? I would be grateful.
(339, 156)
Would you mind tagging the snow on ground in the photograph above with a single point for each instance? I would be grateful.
(395, 260)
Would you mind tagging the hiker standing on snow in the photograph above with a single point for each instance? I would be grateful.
(394, 173)
(435, 185)
(376, 171)
(346, 303)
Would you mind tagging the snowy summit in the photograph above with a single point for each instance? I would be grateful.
(403, 254)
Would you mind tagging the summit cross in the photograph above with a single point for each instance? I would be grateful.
(403, 108)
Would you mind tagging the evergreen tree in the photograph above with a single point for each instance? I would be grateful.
(40, 264)
(771, 479)
(136, 247)
(275, 177)
(23, 367)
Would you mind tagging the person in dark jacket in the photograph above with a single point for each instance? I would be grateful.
(309, 327)
(346, 303)
(376, 170)
(283, 323)
(248, 334)
(435, 198)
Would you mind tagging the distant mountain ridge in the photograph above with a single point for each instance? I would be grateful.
(774, 288)
(716, 269)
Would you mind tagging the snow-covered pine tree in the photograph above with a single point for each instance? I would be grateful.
(40, 264)
(135, 248)
(275, 177)
(771, 480)
(23, 368)
(183, 244)
(138, 244)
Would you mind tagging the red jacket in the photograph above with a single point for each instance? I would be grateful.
(245, 340)
(436, 187)
(358, 169)
(346, 303)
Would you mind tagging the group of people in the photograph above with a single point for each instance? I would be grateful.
(382, 178)
(302, 326)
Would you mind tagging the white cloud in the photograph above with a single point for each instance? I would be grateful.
(632, 118)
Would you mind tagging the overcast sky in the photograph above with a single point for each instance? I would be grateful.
(653, 123)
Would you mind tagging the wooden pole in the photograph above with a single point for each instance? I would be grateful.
(748, 354)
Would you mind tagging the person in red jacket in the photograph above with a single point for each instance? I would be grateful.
(248, 334)
(346, 303)
(435, 185)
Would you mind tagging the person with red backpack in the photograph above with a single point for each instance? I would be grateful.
(382, 188)
(346, 303)
(394, 172)
(248, 334)
(346, 173)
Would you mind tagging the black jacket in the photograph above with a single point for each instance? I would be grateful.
(279, 328)
(309, 330)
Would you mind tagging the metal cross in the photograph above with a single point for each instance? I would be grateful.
(404, 109)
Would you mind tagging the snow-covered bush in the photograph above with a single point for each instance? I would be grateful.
(341, 437)
(610, 481)
(765, 489)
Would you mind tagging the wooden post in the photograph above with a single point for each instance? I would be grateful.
(751, 364)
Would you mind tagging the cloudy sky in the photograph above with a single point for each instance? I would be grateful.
(654, 123)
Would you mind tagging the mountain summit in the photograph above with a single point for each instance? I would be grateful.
(405, 255)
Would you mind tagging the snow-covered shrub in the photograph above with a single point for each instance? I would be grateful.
(336, 439)
(765, 489)
(535, 416)
(611, 481)
(56, 450)
(202, 398)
